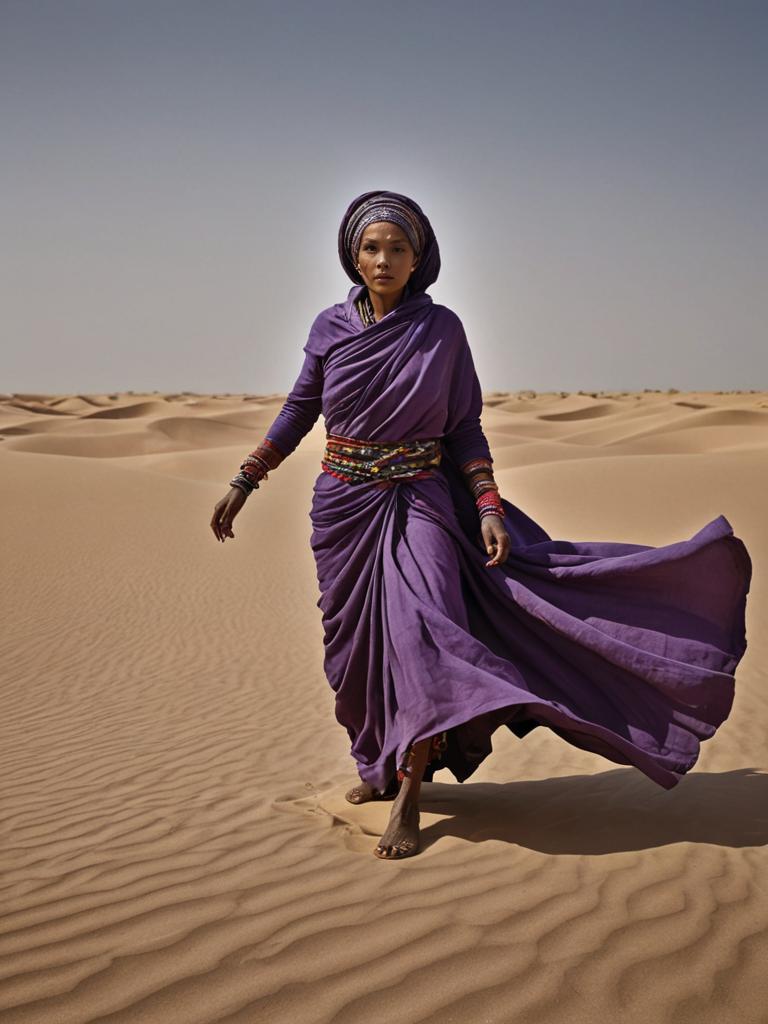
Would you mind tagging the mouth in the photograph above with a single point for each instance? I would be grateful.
(383, 277)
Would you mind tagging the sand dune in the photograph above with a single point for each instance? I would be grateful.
(136, 409)
(176, 846)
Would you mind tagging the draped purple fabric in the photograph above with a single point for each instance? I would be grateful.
(625, 650)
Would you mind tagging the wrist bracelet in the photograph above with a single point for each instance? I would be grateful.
(258, 463)
(478, 474)
(492, 511)
(255, 465)
(489, 503)
(243, 483)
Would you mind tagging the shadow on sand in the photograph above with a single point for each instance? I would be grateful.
(619, 810)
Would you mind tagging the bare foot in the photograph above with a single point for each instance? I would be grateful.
(364, 792)
(401, 838)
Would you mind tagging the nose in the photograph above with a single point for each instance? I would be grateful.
(382, 262)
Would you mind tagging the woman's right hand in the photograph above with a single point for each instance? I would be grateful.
(225, 511)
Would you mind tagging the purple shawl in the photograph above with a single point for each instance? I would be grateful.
(625, 650)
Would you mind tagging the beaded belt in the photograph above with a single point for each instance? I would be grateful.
(358, 461)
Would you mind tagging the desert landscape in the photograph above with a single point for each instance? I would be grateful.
(176, 846)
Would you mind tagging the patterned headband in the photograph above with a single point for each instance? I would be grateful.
(378, 205)
(377, 209)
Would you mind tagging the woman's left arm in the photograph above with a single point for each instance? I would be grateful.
(468, 447)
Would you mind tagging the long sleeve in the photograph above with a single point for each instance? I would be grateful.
(298, 415)
(464, 438)
(463, 435)
(301, 408)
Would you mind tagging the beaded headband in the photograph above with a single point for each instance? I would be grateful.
(378, 209)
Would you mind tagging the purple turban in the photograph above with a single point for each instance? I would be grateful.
(371, 207)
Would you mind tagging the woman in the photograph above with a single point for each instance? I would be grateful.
(621, 649)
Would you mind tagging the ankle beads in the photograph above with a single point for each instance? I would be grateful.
(438, 746)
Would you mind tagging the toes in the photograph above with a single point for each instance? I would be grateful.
(361, 794)
(356, 795)
(395, 850)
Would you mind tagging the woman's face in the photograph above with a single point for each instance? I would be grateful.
(386, 259)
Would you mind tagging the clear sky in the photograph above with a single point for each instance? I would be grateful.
(174, 173)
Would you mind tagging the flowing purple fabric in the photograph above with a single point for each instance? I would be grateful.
(625, 650)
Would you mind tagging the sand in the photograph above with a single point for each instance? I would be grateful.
(175, 842)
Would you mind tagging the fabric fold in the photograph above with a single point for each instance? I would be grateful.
(625, 650)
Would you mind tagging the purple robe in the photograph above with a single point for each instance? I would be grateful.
(625, 650)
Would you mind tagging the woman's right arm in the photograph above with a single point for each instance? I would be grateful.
(298, 415)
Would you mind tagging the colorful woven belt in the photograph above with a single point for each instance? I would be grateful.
(356, 461)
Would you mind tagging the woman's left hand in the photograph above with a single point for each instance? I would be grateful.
(496, 539)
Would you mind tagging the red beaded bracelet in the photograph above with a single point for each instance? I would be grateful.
(261, 460)
(489, 503)
(478, 473)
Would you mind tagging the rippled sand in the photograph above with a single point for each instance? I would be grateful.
(175, 842)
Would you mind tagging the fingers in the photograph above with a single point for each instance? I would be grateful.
(214, 524)
(503, 551)
(498, 546)
(221, 522)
